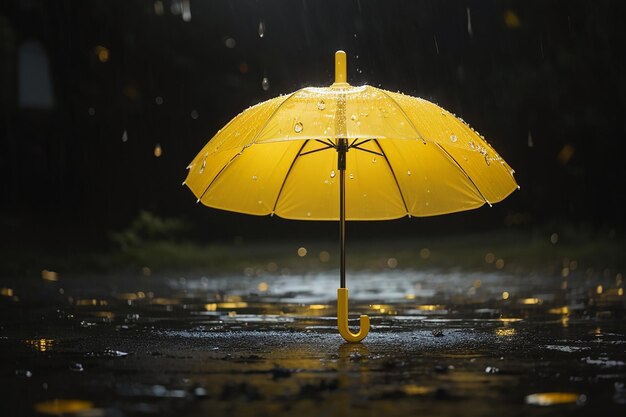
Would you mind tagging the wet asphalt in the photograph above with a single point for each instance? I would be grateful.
(442, 343)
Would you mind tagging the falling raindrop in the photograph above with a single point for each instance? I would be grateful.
(469, 23)
(91, 111)
(158, 100)
(321, 106)
(530, 140)
(230, 42)
(194, 114)
(265, 84)
(436, 45)
(76, 367)
(175, 7)
(186, 11)
(23, 373)
(261, 29)
(125, 136)
(453, 138)
(298, 127)
(158, 8)
(332, 174)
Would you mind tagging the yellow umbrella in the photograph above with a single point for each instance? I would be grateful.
(402, 156)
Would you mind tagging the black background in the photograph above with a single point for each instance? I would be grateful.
(551, 70)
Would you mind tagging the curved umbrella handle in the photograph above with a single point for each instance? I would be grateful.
(342, 319)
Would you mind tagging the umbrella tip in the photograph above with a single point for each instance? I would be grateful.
(341, 68)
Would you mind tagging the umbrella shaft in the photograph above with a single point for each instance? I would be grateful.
(341, 165)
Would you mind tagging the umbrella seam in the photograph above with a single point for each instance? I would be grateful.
(406, 208)
(456, 163)
(253, 141)
(406, 116)
(230, 161)
(287, 175)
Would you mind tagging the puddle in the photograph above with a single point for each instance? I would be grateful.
(235, 345)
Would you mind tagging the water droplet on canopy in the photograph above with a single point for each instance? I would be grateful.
(298, 127)
(125, 136)
(332, 174)
(453, 138)
(321, 105)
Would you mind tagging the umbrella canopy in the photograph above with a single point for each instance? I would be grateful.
(348, 153)
(406, 157)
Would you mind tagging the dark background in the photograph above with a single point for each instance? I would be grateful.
(544, 81)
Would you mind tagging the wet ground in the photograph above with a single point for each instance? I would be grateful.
(442, 343)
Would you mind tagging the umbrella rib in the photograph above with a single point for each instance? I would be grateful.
(317, 150)
(329, 143)
(367, 150)
(287, 175)
(219, 173)
(456, 163)
(384, 155)
(406, 116)
(354, 144)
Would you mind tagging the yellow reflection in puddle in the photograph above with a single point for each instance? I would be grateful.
(505, 332)
(91, 302)
(555, 398)
(559, 310)
(431, 307)
(40, 345)
(104, 314)
(382, 308)
(210, 307)
(509, 319)
(59, 407)
(128, 296)
(412, 389)
(165, 301)
(238, 304)
(7, 292)
(318, 306)
(530, 301)
(49, 275)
